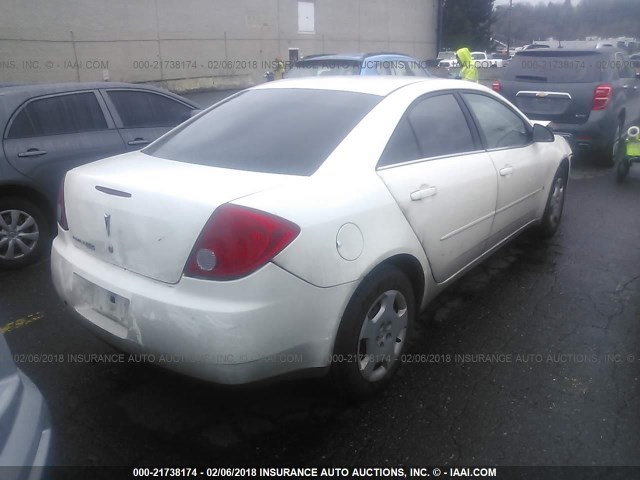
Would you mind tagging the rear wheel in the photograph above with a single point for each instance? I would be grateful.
(24, 233)
(374, 332)
(614, 147)
(622, 169)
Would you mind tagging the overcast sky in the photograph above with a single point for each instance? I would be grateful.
(506, 2)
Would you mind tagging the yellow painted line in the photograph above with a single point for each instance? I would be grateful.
(22, 322)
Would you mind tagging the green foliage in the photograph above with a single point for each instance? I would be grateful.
(467, 23)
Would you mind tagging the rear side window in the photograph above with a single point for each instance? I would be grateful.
(285, 131)
(432, 127)
(554, 67)
(145, 109)
(501, 127)
(63, 114)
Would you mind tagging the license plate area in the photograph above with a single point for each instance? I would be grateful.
(110, 305)
(101, 300)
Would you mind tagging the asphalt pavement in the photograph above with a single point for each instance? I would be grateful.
(532, 359)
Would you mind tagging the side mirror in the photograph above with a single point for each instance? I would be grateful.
(542, 134)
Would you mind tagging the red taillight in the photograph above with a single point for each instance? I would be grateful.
(61, 211)
(237, 241)
(497, 87)
(602, 96)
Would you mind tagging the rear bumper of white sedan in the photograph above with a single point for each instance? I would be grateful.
(268, 324)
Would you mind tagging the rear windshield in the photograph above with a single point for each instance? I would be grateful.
(285, 131)
(554, 67)
(315, 68)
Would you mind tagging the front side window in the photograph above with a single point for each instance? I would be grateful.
(285, 131)
(145, 109)
(62, 114)
(432, 127)
(500, 126)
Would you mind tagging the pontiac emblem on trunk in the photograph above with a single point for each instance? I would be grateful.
(107, 223)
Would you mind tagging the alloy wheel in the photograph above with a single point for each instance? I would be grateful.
(19, 234)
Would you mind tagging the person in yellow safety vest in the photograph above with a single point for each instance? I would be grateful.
(468, 70)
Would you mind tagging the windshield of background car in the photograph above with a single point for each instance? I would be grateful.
(284, 131)
(555, 67)
(315, 68)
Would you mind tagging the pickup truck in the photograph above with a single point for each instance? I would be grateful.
(483, 60)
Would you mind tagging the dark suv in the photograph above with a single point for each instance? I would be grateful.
(590, 96)
(50, 129)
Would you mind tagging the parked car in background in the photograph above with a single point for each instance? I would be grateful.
(49, 129)
(590, 96)
(448, 60)
(483, 60)
(365, 64)
(205, 246)
(25, 426)
(635, 60)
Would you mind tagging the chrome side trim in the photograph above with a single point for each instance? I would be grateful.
(429, 159)
(500, 210)
(466, 227)
(542, 94)
(487, 253)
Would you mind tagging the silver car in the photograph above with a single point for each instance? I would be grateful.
(25, 429)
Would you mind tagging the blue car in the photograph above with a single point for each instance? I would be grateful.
(365, 64)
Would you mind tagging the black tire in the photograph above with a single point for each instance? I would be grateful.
(350, 351)
(36, 237)
(607, 158)
(555, 205)
(622, 169)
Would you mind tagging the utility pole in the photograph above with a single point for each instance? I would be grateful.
(441, 6)
(509, 29)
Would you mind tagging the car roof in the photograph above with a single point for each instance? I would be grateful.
(373, 85)
(11, 96)
(350, 56)
(565, 51)
(32, 90)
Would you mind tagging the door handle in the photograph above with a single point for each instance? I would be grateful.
(32, 152)
(138, 141)
(506, 171)
(423, 193)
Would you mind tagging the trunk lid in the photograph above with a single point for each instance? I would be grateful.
(144, 213)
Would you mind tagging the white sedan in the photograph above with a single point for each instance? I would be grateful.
(300, 226)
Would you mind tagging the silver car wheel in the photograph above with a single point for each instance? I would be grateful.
(19, 234)
(382, 336)
(557, 201)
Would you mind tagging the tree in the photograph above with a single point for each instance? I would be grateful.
(467, 23)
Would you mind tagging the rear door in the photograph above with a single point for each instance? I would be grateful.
(443, 182)
(142, 116)
(518, 161)
(554, 86)
(47, 136)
